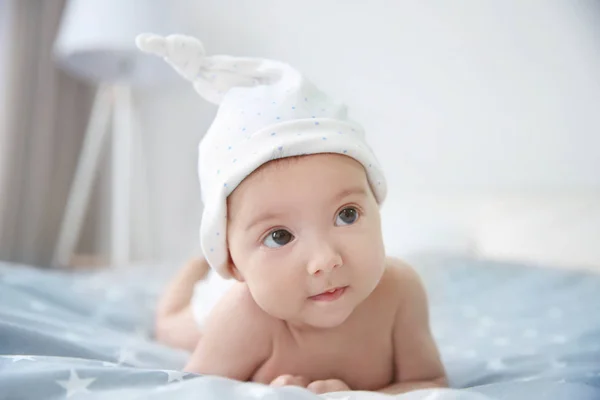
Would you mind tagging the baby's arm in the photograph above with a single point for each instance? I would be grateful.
(418, 364)
(236, 339)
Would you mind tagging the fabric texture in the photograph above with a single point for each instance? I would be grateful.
(505, 332)
(267, 110)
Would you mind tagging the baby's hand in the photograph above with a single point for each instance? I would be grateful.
(289, 380)
(329, 385)
(318, 387)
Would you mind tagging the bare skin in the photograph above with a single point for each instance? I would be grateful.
(384, 346)
(318, 305)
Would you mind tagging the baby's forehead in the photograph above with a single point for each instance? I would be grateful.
(308, 164)
(275, 174)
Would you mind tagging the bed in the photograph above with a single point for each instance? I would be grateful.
(505, 331)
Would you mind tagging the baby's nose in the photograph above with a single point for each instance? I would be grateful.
(324, 261)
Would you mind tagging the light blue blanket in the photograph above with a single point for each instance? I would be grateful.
(505, 332)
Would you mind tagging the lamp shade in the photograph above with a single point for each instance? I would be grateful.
(96, 40)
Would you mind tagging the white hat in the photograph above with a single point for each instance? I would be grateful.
(267, 110)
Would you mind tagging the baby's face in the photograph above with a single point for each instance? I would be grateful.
(300, 228)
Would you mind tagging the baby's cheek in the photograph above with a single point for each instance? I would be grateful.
(275, 294)
(369, 245)
(367, 257)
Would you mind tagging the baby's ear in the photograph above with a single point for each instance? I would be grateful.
(233, 270)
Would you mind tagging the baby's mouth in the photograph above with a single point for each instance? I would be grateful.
(330, 295)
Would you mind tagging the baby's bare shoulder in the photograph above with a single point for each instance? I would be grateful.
(401, 288)
(399, 277)
(238, 309)
(408, 289)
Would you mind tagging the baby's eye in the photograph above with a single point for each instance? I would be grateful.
(347, 216)
(278, 238)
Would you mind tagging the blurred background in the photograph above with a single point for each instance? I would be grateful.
(485, 115)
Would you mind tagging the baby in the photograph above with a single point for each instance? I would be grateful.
(301, 291)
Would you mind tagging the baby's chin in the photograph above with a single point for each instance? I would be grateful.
(311, 318)
(323, 318)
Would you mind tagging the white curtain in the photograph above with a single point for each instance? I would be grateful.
(4, 31)
(45, 114)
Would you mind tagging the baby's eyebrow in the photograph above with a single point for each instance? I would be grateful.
(262, 217)
(270, 214)
(358, 191)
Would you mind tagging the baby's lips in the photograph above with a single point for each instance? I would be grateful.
(330, 295)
